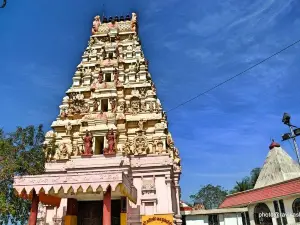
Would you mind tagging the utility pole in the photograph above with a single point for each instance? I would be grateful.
(294, 132)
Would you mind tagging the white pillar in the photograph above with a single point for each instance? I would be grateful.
(169, 193)
(109, 106)
(94, 145)
(177, 198)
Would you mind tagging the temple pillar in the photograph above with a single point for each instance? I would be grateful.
(169, 194)
(72, 211)
(177, 188)
(107, 207)
(34, 209)
(123, 215)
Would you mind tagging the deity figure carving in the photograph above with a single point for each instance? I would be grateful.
(176, 156)
(116, 77)
(143, 106)
(137, 66)
(135, 92)
(85, 108)
(158, 105)
(121, 107)
(141, 124)
(64, 151)
(96, 24)
(140, 144)
(133, 22)
(169, 139)
(97, 81)
(164, 116)
(159, 146)
(153, 87)
(100, 77)
(135, 106)
(88, 143)
(95, 105)
(143, 92)
(68, 128)
(111, 141)
(94, 51)
(151, 107)
(132, 67)
(88, 71)
(117, 53)
(64, 113)
(127, 148)
(113, 104)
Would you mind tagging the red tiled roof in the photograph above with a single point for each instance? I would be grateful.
(186, 208)
(286, 188)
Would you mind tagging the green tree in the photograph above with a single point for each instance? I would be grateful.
(243, 185)
(21, 153)
(254, 175)
(246, 183)
(210, 196)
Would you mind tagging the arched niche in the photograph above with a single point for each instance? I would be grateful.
(296, 209)
(262, 215)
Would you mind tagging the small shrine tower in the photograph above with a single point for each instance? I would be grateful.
(110, 157)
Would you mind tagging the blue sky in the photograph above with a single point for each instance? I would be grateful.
(192, 46)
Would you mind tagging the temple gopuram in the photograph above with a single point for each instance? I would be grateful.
(110, 157)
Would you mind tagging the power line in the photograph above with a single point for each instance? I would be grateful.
(231, 78)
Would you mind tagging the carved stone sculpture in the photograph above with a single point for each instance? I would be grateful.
(111, 142)
(176, 156)
(135, 105)
(127, 150)
(140, 144)
(133, 22)
(141, 124)
(97, 81)
(95, 105)
(159, 146)
(68, 128)
(121, 107)
(113, 104)
(158, 107)
(64, 151)
(116, 77)
(64, 113)
(96, 24)
(88, 143)
(143, 106)
(143, 92)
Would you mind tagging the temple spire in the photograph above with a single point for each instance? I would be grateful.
(278, 167)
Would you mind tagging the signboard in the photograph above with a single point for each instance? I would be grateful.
(166, 219)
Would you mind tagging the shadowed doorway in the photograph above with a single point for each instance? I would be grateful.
(91, 212)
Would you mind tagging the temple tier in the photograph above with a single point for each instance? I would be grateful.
(110, 157)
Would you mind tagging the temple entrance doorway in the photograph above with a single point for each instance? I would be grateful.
(91, 212)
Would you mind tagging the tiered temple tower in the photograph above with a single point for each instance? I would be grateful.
(110, 156)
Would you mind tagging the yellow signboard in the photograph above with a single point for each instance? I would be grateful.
(158, 220)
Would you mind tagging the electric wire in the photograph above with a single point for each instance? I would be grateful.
(235, 76)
